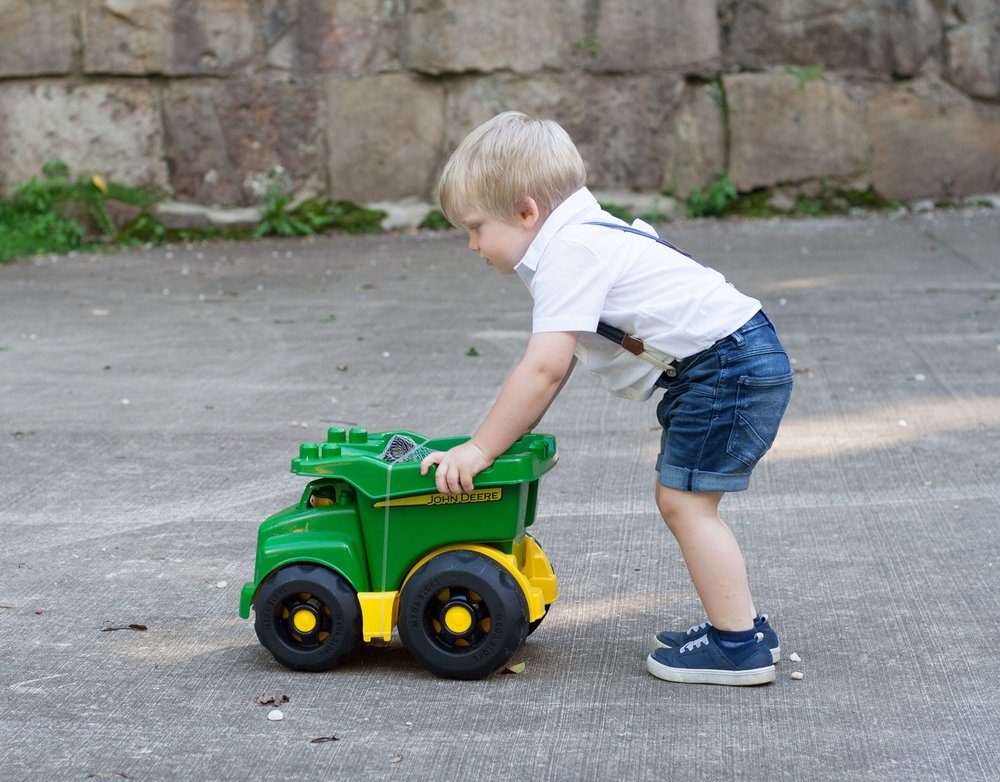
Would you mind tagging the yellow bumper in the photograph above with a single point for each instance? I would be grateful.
(528, 565)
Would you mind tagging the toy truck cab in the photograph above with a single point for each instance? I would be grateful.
(373, 545)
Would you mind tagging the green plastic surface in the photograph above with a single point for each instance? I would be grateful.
(371, 521)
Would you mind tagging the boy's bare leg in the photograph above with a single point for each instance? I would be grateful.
(714, 559)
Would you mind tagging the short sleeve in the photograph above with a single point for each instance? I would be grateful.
(569, 288)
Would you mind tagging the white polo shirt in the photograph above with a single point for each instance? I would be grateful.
(581, 274)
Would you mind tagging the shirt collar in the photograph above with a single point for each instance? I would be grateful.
(569, 211)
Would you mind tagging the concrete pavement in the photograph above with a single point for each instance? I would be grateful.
(150, 402)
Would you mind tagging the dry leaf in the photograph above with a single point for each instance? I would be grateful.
(324, 739)
(271, 700)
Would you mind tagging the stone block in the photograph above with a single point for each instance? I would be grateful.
(384, 135)
(36, 38)
(349, 36)
(889, 38)
(929, 140)
(974, 56)
(783, 129)
(108, 129)
(696, 142)
(173, 37)
(228, 141)
(637, 36)
(618, 122)
(460, 36)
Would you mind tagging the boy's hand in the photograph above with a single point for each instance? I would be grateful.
(456, 467)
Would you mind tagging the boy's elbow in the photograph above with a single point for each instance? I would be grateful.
(552, 371)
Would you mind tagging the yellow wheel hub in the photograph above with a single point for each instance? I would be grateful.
(458, 619)
(304, 620)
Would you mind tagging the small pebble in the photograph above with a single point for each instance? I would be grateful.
(794, 657)
(275, 714)
(797, 674)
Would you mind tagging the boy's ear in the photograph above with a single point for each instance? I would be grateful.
(529, 214)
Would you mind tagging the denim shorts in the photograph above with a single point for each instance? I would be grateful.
(721, 412)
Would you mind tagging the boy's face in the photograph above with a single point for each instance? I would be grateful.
(502, 244)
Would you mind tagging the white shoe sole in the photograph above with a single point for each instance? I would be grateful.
(775, 652)
(710, 676)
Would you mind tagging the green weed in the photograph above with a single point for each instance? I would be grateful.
(435, 221)
(806, 75)
(314, 216)
(621, 212)
(714, 201)
(587, 44)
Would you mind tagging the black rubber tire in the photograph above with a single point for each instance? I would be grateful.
(469, 583)
(316, 594)
(534, 625)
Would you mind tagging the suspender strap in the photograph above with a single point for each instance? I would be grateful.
(633, 345)
(629, 229)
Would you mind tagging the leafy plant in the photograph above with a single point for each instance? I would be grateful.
(654, 214)
(621, 212)
(56, 213)
(315, 216)
(805, 75)
(435, 221)
(24, 232)
(809, 206)
(277, 220)
(867, 199)
(354, 219)
(714, 201)
(588, 44)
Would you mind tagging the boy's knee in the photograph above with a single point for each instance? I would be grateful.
(677, 506)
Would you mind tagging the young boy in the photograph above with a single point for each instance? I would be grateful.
(517, 186)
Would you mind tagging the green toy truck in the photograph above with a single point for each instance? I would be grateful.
(373, 545)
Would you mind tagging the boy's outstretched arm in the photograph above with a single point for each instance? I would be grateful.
(523, 400)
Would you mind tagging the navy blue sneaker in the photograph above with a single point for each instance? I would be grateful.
(671, 639)
(703, 661)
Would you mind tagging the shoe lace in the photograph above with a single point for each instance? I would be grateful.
(698, 629)
(690, 646)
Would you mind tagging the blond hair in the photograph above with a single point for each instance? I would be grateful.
(504, 161)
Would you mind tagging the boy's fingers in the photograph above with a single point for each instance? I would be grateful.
(434, 458)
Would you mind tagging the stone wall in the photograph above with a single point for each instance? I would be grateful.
(214, 100)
